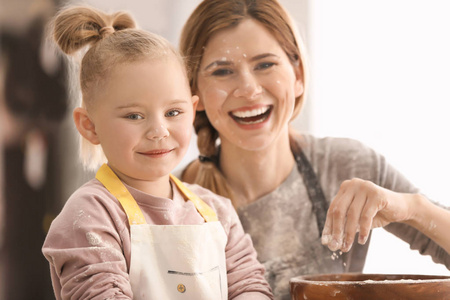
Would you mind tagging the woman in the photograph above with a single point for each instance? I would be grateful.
(246, 64)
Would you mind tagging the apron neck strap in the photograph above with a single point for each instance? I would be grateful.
(207, 213)
(315, 192)
(135, 217)
(115, 186)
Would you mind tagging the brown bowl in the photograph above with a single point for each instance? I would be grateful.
(355, 286)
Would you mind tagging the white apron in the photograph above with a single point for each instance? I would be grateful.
(173, 261)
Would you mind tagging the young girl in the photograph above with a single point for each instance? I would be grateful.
(136, 232)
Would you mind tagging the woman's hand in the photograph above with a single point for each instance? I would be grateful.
(359, 206)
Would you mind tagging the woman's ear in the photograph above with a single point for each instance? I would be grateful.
(299, 87)
(84, 125)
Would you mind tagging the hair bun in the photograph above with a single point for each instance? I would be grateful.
(105, 31)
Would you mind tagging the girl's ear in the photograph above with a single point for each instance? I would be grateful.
(299, 87)
(84, 125)
(200, 106)
(195, 101)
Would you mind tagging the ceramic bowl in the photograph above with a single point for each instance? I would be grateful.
(355, 286)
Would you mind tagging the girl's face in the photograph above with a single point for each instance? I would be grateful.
(247, 86)
(143, 117)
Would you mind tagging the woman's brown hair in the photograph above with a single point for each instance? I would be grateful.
(209, 17)
(109, 40)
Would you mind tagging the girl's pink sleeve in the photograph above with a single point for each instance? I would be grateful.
(85, 249)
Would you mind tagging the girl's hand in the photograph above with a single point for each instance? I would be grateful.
(359, 206)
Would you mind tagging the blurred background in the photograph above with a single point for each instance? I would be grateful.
(380, 72)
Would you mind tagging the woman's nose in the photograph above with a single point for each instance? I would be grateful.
(248, 86)
(157, 132)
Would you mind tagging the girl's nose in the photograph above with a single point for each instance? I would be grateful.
(248, 86)
(157, 133)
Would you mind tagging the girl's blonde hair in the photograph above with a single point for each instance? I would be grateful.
(108, 40)
(208, 18)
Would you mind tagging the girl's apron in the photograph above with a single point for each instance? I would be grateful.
(173, 261)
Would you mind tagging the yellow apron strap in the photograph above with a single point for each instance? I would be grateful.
(207, 213)
(135, 217)
(113, 184)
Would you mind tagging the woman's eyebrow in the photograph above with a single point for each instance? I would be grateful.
(222, 62)
(263, 55)
(218, 63)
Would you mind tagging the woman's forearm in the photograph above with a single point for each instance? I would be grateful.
(431, 220)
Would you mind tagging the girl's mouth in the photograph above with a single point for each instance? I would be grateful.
(156, 153)
(252, 116)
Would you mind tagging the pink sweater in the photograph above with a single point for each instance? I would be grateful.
(88, 244)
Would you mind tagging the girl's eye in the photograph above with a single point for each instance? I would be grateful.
(264, 65)
(173, 113)
(222, 72)
(134, 117)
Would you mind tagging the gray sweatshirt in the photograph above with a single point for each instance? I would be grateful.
(284, 229)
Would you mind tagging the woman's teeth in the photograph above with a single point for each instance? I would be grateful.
(250, 113)
(253, 116)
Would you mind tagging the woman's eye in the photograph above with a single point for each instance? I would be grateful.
(221, 72)
(173, 113)
(264, 65)
(134, 117)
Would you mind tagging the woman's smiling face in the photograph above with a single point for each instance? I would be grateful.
(247, 85)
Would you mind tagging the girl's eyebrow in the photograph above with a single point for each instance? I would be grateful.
(128, 105)
(178, 101)
(222, 62)
(170, 101)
